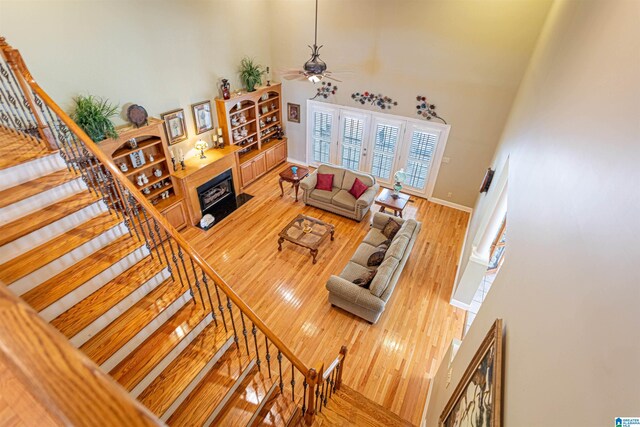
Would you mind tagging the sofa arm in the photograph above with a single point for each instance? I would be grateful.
(381, 218)
(367, 198)
(309, 183)
(355, 294)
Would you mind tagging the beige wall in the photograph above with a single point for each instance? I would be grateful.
(569, 289)
(468, 57)
(160, 54)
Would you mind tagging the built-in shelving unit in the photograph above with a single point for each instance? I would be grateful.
(250, 121)
(144, 150)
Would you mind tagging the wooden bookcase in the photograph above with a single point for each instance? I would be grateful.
(250, 121)
(151, 143)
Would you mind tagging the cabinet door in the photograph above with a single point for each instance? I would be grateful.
(246, 171)
(281, 152)
(176, 215)
(259, 166)
(270, 156)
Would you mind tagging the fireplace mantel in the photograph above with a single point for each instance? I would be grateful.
(198, 171)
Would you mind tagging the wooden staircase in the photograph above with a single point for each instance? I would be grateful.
(118, 304)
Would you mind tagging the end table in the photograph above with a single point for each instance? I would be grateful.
(288, 176)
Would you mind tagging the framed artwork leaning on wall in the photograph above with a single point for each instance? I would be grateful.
(477, 399)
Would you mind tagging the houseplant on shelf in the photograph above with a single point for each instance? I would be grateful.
(93, 115)
(251, 73)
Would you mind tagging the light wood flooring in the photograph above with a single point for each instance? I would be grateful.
(389, 362)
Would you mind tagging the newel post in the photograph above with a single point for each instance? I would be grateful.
(343, 353)
(311, 380)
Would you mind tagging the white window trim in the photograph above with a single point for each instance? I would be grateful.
(335, 109)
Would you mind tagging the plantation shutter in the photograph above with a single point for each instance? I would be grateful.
(421, 151)
(384, 150)
(351, 140)
(322, 124)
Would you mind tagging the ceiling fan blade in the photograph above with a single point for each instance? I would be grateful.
(299, 77)
(327, 76)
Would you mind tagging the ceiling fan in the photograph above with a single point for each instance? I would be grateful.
(315, 69)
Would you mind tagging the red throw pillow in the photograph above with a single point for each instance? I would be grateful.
(325, 181)
(358, 188)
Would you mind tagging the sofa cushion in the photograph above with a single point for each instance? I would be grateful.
(408, 228)
(337, 171)
(358, 188)
(364, 281)
(362, 254)
(350, 177)
(398, 247)
(352, 271)
(324, 196)
(345, 200)
(376, 258)
(383, 276)
(375, 237)
(391, 228)
(325, 181)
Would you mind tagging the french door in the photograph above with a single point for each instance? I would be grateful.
(379, 144)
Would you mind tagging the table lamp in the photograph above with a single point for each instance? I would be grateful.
(399, 177)
(201, 145)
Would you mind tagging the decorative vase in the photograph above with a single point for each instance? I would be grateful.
(226, 89)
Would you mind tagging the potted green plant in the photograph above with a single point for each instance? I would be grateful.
(251, 73)
(93, 115)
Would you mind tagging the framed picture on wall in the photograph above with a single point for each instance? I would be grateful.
(202, 116)
(174, 126)
(293, 112)
(477, 399)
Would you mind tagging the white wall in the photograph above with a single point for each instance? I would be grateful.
(569, 289)
(467, 57)
(160, 54)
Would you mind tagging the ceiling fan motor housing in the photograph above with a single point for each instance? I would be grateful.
(315, 65)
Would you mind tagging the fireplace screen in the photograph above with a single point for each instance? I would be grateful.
(217, 193)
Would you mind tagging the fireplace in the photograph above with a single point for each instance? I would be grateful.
(217, 196)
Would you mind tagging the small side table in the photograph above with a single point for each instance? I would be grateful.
(288, 176)
(386, 201)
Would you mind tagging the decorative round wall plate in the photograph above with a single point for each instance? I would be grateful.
(137, 115)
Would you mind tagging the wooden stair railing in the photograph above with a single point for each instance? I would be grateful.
(185, 265)
(65, 384)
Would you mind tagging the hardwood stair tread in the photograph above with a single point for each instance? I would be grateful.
(38, 185)
(49, 214)
(212, 389)
(279, 410)
(248, 399)
(40, 256)
(168, 386)
(79, 273)
(108, 296)
(133, 368)
(347, 407)
(110, 339)
(9, 160)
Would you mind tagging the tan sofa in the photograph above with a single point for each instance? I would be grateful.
(339, 200)
(370, 303)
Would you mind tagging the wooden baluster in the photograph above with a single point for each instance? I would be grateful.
(343, 353)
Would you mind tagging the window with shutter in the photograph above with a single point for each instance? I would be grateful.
(421, 151)
(384, 150)
(321, 134)
(352, 138)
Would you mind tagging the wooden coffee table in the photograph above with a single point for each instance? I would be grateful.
(386, 201)
(288, 176)
(307, 232)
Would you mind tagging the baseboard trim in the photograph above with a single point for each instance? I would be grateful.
(296, 162)
(451, 205)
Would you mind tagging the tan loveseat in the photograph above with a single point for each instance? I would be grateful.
(370, 303)
(339, 200)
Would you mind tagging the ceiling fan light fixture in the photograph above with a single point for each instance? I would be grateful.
(314, 78)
